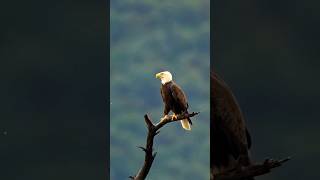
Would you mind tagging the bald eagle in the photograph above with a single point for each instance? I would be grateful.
(230, 140)
(174, 98)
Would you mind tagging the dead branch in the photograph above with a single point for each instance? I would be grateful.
(153, 130)
(250, 171)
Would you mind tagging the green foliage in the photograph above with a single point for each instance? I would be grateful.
(148, 37)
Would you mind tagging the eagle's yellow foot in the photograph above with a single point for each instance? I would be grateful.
(174, 117)
(165, 117)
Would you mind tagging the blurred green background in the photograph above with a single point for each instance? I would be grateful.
(268, 52)
(148, 37)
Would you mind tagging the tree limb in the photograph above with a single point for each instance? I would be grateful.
(250, 171)
(152, 132)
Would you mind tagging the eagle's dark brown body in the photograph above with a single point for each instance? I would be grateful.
(230, 139)
(174, 99)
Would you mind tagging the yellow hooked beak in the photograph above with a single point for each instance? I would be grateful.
(158, 75)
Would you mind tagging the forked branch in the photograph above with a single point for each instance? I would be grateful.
(153, 130)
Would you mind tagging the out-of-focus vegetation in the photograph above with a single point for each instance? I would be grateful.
(148, 37)
(268, 52)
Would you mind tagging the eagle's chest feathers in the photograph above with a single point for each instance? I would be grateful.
(166, 88)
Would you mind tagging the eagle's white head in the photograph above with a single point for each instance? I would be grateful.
(164, 76)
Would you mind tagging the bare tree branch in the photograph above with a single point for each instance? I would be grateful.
(153, 130)
(250, 171)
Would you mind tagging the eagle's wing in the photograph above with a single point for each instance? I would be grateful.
(179, 96)
(228, 123)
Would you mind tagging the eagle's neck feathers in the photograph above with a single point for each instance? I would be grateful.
(166, 79)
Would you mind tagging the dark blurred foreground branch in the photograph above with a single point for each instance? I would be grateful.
(152, 132)
(250, 171)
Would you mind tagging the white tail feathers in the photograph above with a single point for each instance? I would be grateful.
(185, 124)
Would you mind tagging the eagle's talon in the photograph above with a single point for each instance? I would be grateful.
(174, 117)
